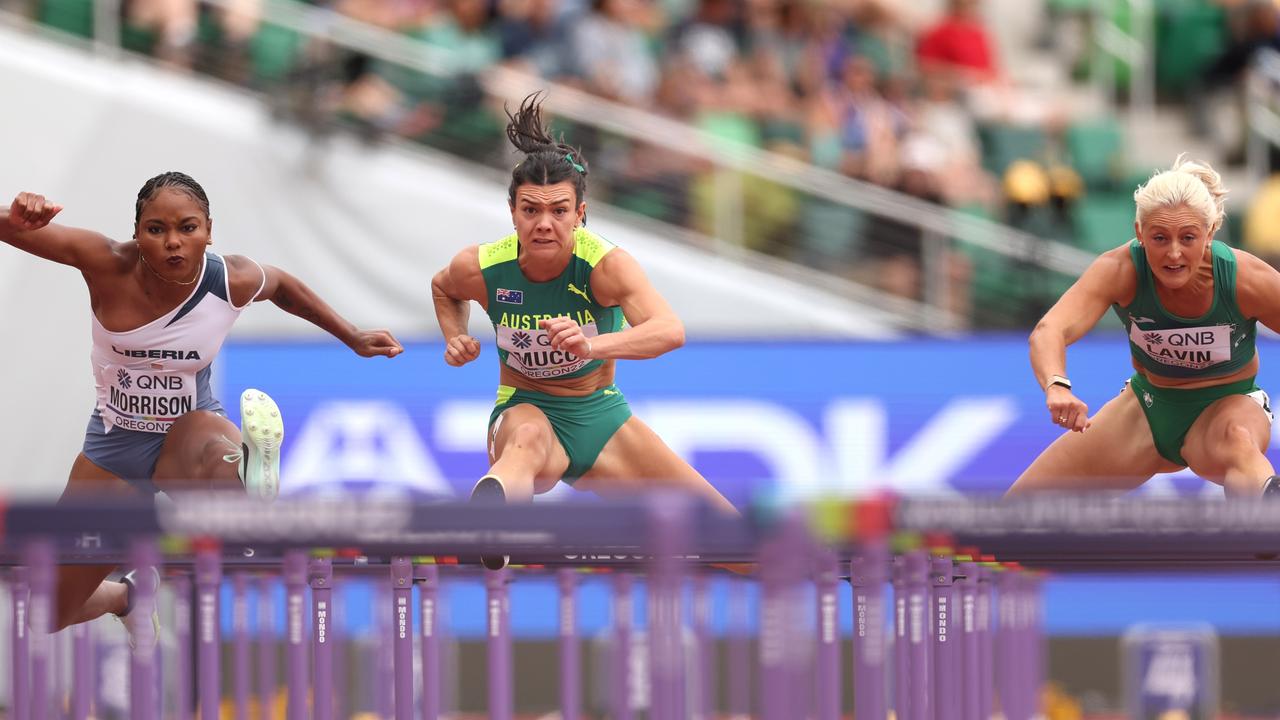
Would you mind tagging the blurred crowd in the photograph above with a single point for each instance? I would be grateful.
(911, 96)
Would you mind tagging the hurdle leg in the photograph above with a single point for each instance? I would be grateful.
(39, 558)
(295, 658)
(1006, 646)
(827, 670)
(320, 578)
(967, 622)
(570, 662)
(704, 690)
(402, 635)
(867, 575)
(143, 698)
(19, 587)
(920, 673)
(81, 670)
(739, 651)
(783, 563)
(946, 659)
(181, 587)
(240, 650)
(901, 654)
(500, 685)
(428, 578)
(623, 616)
(208, 632)
(668, 525)
(268, 663)
(986, 650)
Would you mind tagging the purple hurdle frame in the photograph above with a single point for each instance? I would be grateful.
(320, 578)
(39, 557)
(144, 700)
(570, 662)
(20, 588)
(867, 575)
(402, 635)
(919, 685)
(295, 659)
(208, 633)
(498, 606)
(703, 693)
(268, 663)
(827, 611)
(623, 619)
(241, 669)
(946, 645)
(428, 579)
(969, 643)
(82, 670)
(668, 701)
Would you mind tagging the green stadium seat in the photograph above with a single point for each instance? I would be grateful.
(273, 52)
(1189, 35)
(1096, 152)
(70, 16)
(1004, 144)
(1103, 221)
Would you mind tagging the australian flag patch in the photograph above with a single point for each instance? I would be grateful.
(511, 297)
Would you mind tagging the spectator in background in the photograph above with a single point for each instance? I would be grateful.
(709, 40)
(535, 34)
(611, 50)
(173, 22)
(941, 153)
(869, 125)
(959, 43)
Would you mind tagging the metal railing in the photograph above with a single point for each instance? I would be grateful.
(730, 197)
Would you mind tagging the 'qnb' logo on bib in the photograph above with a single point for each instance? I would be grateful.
(1194, 348)
(147, 401)
(529, 352)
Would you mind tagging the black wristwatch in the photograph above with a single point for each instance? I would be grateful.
(1058, 380)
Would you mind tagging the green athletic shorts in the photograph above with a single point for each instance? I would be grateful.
(1170, 413)
(583, 424)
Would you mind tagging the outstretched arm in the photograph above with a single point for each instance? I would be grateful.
(452, 290)
(1109, 279)
(26, 225)
(294, 297)
(655, 327)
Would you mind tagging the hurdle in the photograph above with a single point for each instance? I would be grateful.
(960, 637)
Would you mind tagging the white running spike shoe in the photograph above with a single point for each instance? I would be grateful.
(261, 432)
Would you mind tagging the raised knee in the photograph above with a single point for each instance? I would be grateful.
(531, 436)
(1239, 437)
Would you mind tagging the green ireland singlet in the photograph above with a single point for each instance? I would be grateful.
(516, 304)
(1213, 345)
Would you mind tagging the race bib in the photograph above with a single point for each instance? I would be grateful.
(1194, 348)
(529, 352)
(147, 400)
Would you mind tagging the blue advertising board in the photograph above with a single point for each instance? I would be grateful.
(919, 416)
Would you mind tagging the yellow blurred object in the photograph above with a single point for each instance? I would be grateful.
(1175, 715)
(1026, 182)
(1065, 182)
(1058, 705)
(1262, 221)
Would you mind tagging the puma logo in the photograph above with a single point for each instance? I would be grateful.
(574, 289)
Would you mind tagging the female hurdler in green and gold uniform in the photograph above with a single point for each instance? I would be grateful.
(565, 304)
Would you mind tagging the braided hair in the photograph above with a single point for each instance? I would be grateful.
(547, 160)
(170, 180)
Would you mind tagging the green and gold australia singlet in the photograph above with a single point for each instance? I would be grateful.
(516, 305)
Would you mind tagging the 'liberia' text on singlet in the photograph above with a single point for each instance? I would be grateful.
(148, 377)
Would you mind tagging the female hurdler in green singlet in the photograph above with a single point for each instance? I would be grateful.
(1191, 306)
(565, 304)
